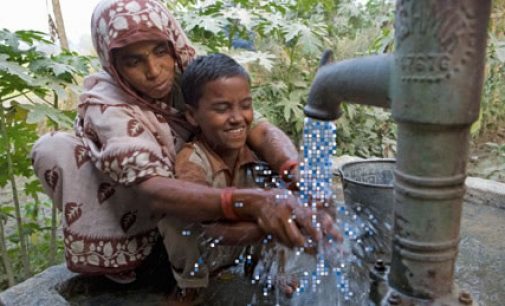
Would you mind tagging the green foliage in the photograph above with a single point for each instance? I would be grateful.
(492, 107)
(289, 37)
(366, 131)
(20, 134)
(32, 82)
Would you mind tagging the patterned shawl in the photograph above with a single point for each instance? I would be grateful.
(117, 23)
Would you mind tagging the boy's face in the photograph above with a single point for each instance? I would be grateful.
(224, 113)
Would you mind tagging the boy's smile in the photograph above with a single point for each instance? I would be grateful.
(224, 114)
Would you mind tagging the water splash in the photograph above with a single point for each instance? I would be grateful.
(329, 273)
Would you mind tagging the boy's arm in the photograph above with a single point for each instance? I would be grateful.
(272, 145)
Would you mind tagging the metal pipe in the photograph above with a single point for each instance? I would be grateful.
(435, 82)
(362, 80)
(436, 86)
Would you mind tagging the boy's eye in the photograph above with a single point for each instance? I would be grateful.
(220, 107)
(246, 104)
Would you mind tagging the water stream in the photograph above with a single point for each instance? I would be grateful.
(331, 273)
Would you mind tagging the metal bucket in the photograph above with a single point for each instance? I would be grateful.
(368, 190)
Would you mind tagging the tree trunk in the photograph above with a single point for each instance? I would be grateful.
(60, 26)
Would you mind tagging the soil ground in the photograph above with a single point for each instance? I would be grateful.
(487, 156)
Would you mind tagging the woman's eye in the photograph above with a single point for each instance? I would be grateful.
(160, 50)
(131, 62)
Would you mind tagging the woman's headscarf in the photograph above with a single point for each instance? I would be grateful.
(118, 23)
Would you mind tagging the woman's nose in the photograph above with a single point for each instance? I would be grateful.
(153, 69)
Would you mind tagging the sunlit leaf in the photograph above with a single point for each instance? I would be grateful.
(213, 24)
(264, 59)
(241, 15)
(16, 70)
(55, 67)
(39, 112)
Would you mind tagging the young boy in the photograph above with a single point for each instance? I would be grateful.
(219, 104)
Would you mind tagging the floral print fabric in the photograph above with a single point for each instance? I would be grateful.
(120, 139)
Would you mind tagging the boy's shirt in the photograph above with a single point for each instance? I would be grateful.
(198, 163)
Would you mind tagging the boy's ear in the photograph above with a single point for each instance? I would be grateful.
(189, 113)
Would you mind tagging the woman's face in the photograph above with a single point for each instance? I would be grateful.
(147, 66)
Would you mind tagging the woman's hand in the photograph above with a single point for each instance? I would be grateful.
(279, 213)
(234, 233)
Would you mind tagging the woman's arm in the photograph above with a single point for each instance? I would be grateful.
(236, 233)
(198, 203)
(190, 201)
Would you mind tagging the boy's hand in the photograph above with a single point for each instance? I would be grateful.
(286, 220)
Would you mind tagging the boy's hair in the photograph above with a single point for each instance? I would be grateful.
(205, 69)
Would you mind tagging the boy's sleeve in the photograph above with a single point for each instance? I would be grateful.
(189, 166)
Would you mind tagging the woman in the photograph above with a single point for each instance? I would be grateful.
(114, 179)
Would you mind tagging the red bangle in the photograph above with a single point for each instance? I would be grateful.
(227, 204)
(286, 168)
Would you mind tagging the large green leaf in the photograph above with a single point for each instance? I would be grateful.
(242, 16)
(47, 64)
(213, 24)
(38, 113)
(16, 70)
(264, 59)
(304, 35)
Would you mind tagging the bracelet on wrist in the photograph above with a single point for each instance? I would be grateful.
(227, 204)
(286, 168)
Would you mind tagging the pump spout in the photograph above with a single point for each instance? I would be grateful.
(362, 80)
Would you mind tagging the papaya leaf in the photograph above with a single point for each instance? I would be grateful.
(47, 64)
(264, 59)
(16, 70)
(38, 112)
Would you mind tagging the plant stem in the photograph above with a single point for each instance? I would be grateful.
(15, 197)
(54, 225)
(54, 215)
(290, 68)
(5, 256)
(15, 96)
(55, 103)
(33, 102)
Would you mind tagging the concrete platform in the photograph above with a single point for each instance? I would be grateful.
(480, 268)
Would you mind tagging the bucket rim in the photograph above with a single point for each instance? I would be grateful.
(349, 180)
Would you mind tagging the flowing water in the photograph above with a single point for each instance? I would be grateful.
(331, 273)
